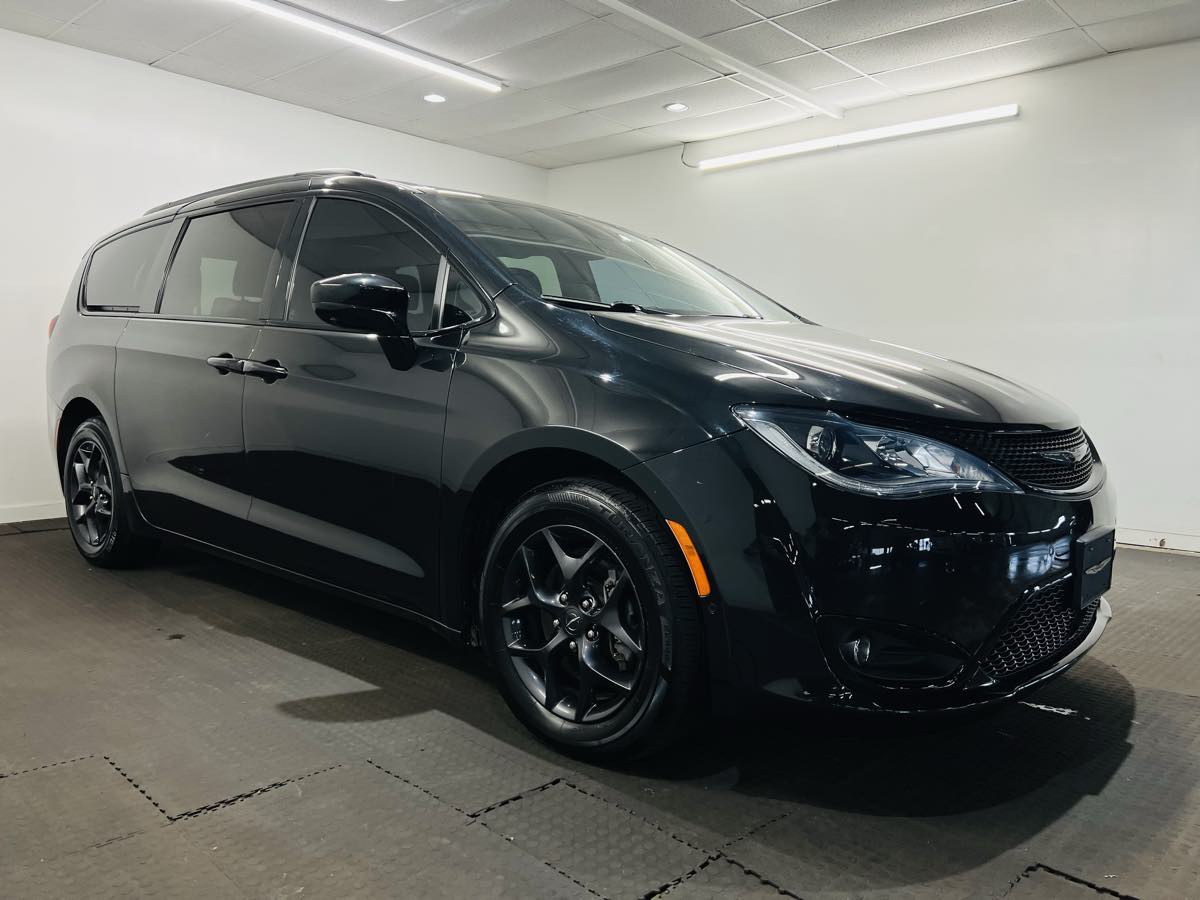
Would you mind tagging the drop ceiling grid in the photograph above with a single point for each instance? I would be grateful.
(589, 82)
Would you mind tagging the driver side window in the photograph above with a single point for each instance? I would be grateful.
(345, 237)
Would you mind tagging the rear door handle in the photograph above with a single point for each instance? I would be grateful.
(268, 371)
(225, 363)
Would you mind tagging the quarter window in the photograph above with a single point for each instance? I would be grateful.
(125, 274)
(227, 264)
(463, 303)
(345, 237)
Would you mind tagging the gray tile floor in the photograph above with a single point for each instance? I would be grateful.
(197, 729)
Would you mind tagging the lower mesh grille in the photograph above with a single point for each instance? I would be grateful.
(1045, 624)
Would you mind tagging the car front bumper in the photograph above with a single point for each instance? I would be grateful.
(968, 595)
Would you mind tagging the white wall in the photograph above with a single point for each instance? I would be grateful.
(88, 142)
(1062, 248)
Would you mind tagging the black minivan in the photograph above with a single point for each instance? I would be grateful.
(643, 488)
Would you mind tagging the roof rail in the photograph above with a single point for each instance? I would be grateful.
(258, 182)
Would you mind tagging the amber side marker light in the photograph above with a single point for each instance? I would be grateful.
(699, 576)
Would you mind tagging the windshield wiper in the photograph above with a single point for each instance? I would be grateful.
(615, 306)
(626, 306)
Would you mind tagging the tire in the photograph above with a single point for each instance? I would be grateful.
(99, 512)
(595, 634)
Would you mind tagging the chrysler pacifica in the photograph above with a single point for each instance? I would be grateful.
(641, 487)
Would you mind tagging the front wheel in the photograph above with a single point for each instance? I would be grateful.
(591, 620)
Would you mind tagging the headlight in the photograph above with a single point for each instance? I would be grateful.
(869, 460)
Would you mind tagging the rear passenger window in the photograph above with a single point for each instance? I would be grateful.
(227, 264)
(345, 237)
(125, 274)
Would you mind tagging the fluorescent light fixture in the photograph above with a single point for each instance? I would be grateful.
(676, 107)
(368, 41)
(938, 123)
(434, 98)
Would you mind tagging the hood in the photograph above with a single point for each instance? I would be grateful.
(844, 371)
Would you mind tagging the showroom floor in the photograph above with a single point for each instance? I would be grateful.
(196, 729)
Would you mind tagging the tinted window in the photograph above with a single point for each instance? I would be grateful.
(345, 237)
(463, 303)
(559, 254)
(127, 273)
(227, 264)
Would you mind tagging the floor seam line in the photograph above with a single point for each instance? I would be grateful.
(1075, 879)
(516, 797)
(63, 762)
(141, 790)
(761, 877)
(546, 863)
(636, 815)
(421, 788)
(686, 876)
(238, 798)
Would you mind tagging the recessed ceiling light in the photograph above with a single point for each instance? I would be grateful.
(434, 98)
(676, 107)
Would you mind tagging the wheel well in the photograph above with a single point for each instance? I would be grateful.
(500, 490)
(78, 411)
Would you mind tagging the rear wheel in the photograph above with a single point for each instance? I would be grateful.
(591, 621)
(98, 511)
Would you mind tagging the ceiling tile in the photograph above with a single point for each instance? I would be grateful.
(758, 44)
(265, 45)
(502, 113)
(856, 92)
(114, 43)
(652, 74)
(711, 96)
(567, 130)
(471, 30)
(710, 58)
(812, 70)
(1088, 12)
(207, 70)
(763, 114)
(1012, 22)
(374, 15)
(1179, 23)
(832, 24)
(26, 22)
(696, 17)
(407, 101)
(639, 29)
(584, 48)
(1036, 53)
(624, 144)
(779, 7)
(59, 10)
(345, 75)
(172, 25)
(540, 158)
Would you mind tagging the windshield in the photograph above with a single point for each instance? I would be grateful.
(560, 255)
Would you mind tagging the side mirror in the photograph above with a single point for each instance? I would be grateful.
(362, 302)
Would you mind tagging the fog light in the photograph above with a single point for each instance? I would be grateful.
(857, 651)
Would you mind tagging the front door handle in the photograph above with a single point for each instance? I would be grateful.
(225, 363)
(268, 371)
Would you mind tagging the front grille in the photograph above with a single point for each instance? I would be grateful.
(1045, 624)
(1029, 457)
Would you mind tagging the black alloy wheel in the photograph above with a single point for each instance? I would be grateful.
(98, 511)
(573, 627)
(591, 620)
(89, 491)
